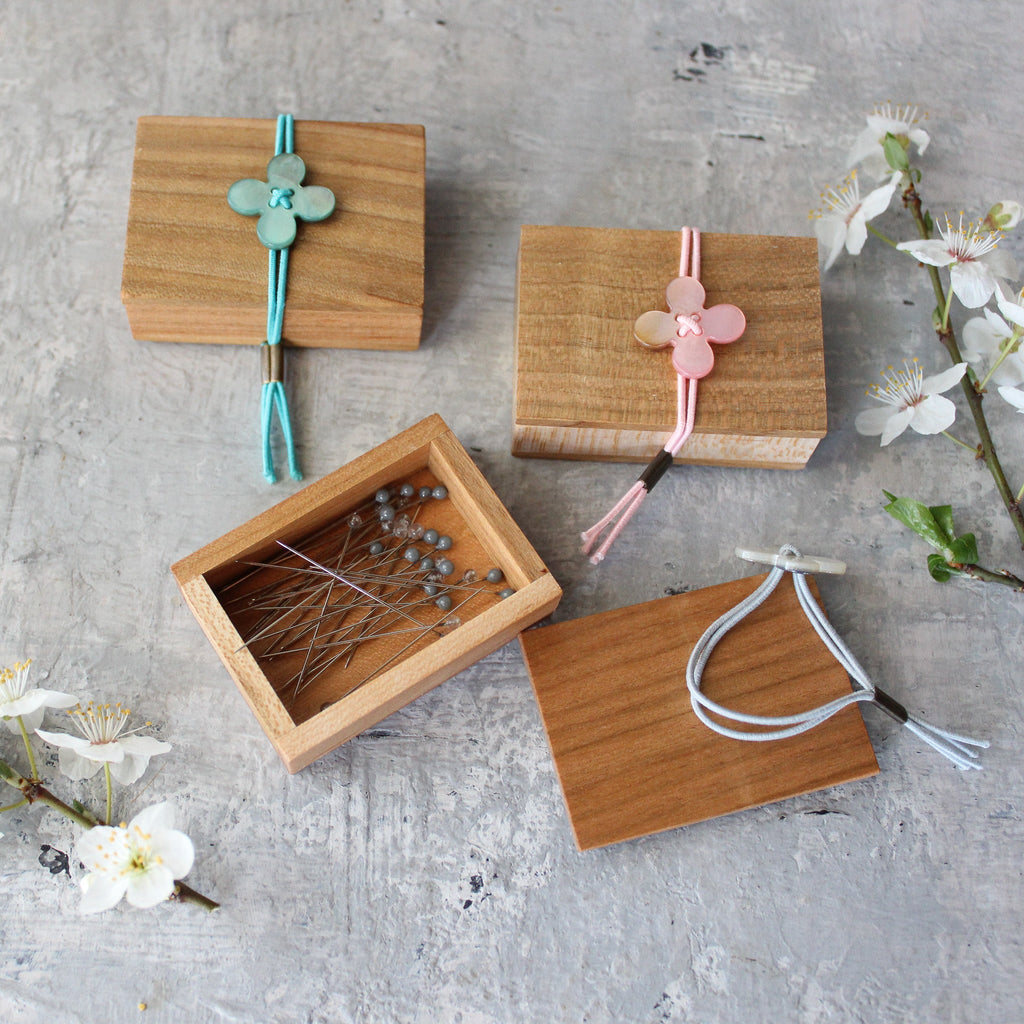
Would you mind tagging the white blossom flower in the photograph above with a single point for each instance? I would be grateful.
(103, 739)
(909, 399)
(974, 268)
(1010, 304)
(886, 120)
(1014, 396)
(983, 340)
(141, 860)
(18, 701)
(843, 216)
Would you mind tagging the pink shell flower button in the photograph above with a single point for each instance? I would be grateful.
(688, 327)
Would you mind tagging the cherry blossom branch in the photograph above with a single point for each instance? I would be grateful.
(28, 747)
(34, 792)
(878, 234)
(963, 444)
(986, 450)
(978, 572)
(1007, 348)
(186, 894)
(110, 790)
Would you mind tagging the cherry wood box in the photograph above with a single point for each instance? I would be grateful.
(585, 389)
(304, 726)
(194, 269)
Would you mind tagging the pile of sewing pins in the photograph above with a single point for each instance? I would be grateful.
(376, 575)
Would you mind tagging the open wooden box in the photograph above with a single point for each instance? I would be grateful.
(194, 269)
(307, 725)
(585, 389)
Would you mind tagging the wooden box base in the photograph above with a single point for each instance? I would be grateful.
(585, 389)
(631, 755)
(194, 269)
(305, 725)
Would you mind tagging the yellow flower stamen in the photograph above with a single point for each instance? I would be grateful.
(902, 388)
(970, 242)
(13, 681)
(843, 199)
(100, 723)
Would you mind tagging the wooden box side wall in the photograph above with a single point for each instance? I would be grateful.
(316, 505)
(486, 516)
(418, 674)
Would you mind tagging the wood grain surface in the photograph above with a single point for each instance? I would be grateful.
(631, 755)
(194, 269)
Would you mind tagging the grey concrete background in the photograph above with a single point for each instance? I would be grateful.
(426, 872)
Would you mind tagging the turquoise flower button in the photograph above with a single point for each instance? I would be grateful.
(280, 199)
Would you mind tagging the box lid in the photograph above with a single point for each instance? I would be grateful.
(194, 269)
(631, 755)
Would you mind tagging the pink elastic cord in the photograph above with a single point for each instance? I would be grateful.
(630, 501)
(689, 253)
(686, 410)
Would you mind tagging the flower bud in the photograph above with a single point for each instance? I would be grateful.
(1004, 215)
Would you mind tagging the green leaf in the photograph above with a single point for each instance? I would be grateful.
(935, 525)
(943, 515)
(929, 224)
(918, 517)
(965, 549)
(941, 570)
(895, 153)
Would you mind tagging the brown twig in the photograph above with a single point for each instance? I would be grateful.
(979, 572)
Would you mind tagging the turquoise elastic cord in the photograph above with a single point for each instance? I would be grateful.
(273, 395)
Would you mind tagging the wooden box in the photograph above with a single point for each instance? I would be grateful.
(305, 725)
(585, 389)
(631, 755)
(194, 269)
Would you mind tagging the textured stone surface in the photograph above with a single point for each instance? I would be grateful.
(426, 872)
